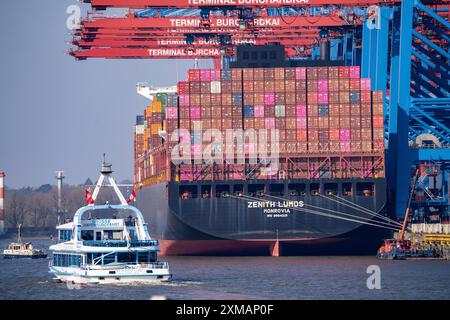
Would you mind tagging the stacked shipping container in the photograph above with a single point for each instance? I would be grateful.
(319, 111)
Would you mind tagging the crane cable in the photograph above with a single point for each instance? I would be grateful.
(338, 212)
(322, 214)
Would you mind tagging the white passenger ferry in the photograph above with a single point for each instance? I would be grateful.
(107, 244)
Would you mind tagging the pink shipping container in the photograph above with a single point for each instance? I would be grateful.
(300, 73)
(259, 111)
(322, 86)
(185, 136)
(300, 110)
(269, 98)
(205, 75)
(301, 122)
(344, 135)
(365, 84)
(195, 113)
(186, 176)
(354, 72)
(171, 113)
(215, 75)
(270, 123)
(322, 98)
(184, 100)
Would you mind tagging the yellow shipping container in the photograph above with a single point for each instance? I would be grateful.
(155, 128)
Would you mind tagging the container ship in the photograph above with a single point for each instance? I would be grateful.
(315, 187)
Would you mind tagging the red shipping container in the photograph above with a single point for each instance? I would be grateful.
(312, 85)
(215, 74)
(378, 121)
(312, 98)
(249, 123)
(194, 75)
(216, 124)
(334, 134)
(333, 72)
(333, 110)
(344, 121)
(279, 73)
(313, 147)
(377, 96)
(313, 110)
(171, 124)
(313, 122)
(205, 99)
(355, 122)
(282, 135)
(291, 135)
(225, 87)
(290, 110)
(300, 97)
(258, 74)
(289, 73)
(354, 84)
(249, 86)
(194, 87)
(344, 84)
(323, 122)
(248, 99)
(291, 123)
(205, 112)
(378, 145)
(300, 85)
(279, 86)
(269, 73)
(194, 99)
(290, 98)
(322, 73)
(183, 87)
(258, 98)
(206, 124)
(227, 111)
(269, 86)
(280, 123)
(205, 75)
(237, 123)
(185, 124)
(237, 112)
(258, 86)
(280, 98)
(355, 145)
(185, 112)
(366, 134)
(216, 99)
(355, 134)
(247, 74)
(333, 85)
(344, 72)
(289, 86)
(227, 124)
(378, 133)
(322, 98)
(269, 111)
(366, 122)
(377, 109)
(301, 134)
(366, 146)
(355, 109)
(311, 73)
(236, 86)
(260, 123)
(344, 109)
(334, 122)
(236, 74)
(227, 99)
(366, 96)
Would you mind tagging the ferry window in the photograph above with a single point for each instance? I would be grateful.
(188, 192)
(238, 190)
(88, 258)
(153, 257)
(296, 189)
(222, 191)
(143, 257)
(314, 189)
(347, 189)
(129, 257)
(206, 192)
(256, 190)
(87, 234)
(109, 259)
(65, 235)
(276, 189)
(331, 189)
(365, 189)
(112, 234)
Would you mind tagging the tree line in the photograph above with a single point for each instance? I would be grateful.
(38, 207)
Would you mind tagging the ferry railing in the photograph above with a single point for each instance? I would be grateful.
(120, 243)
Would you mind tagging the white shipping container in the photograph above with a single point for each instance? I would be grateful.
(215, 87)
(140, 129)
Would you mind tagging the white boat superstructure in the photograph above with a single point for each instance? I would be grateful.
(107, 244)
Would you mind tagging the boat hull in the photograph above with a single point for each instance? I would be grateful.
(20, 256)
(231, 226)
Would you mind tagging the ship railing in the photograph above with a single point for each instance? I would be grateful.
(120, 243)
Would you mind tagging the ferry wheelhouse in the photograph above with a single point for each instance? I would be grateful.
(107, 244)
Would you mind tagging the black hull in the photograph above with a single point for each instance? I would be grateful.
(228, 226)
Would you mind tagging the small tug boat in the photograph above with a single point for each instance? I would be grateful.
(19, 249)
(113, 250)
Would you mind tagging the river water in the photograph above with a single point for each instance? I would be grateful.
(244, 278)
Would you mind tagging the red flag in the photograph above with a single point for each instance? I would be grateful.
(132, 197)
(88, 196)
